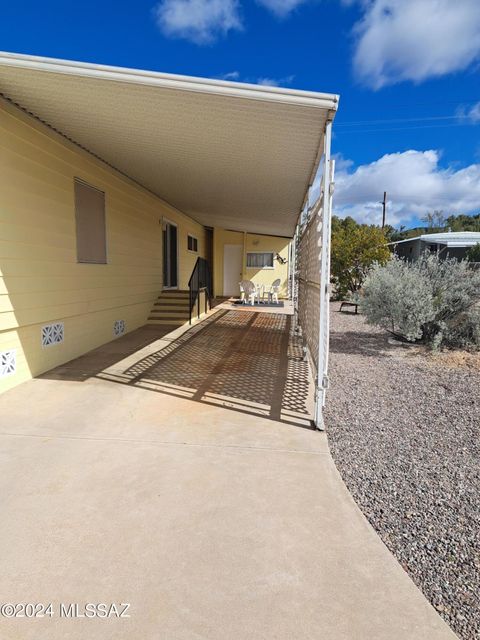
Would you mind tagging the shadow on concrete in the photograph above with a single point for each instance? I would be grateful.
(243, 361)
(239, 360)
(97, 360)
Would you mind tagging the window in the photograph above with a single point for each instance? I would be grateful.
(260, 260)
(90, 223)
(192, 243)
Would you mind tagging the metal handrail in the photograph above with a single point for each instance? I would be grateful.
(200, 280)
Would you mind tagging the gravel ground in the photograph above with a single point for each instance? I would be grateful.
(403, 428)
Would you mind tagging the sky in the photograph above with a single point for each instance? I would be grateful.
(407, 72)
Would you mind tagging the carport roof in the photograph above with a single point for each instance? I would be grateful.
(234, 155)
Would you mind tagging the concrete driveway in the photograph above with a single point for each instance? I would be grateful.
(184, 480)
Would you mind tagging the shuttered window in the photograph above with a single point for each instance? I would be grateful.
(90, 223)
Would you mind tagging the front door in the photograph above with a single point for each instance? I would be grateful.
(170, 256)
(232, 268)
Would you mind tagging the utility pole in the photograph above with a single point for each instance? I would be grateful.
(384, 204)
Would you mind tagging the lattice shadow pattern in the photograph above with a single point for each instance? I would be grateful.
(251, 361)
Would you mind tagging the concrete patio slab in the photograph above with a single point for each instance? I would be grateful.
(207, 503)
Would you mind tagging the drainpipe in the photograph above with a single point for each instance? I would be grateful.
(324, 229)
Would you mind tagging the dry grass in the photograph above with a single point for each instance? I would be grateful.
(447, 358)
(455, 359)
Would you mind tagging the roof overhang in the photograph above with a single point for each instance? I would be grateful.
(441, 239)
(233, 155)
(459, 245)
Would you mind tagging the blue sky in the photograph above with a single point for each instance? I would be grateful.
(407, 71)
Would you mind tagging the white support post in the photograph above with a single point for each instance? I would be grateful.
(291, 267)
(294, 282)
(329, 289)
(321, 383)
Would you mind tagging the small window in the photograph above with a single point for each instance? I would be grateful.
(90, 223)
(192, 243)
(260, 260)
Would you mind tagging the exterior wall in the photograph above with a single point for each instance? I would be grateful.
(40, 279)
(251, 242)
(420, 246)
(459, 253)
(409, 250)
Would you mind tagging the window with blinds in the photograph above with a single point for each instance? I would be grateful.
(90, 223)
(260, 260)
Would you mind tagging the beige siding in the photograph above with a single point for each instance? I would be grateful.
(40, 279)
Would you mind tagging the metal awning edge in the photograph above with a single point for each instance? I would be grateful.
(178, 82)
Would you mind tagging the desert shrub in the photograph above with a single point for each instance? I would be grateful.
(431, 300)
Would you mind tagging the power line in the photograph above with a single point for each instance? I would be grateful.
(359, 122)
(431, 103)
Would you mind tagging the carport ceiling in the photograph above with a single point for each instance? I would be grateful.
(228, 154)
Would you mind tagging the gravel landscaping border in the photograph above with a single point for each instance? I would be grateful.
(404, 431)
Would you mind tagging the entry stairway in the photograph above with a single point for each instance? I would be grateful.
(171, 307)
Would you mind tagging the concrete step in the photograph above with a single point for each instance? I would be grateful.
(169, 312)
(166, 316)
(174, 294)
(172, 309)
(177, 323)
(172, 302)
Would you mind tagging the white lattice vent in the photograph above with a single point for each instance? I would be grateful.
(119, 327)
(52, 334)
(8, 363)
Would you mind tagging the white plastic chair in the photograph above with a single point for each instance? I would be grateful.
(273, 292)
(248, 291)
(260, 288)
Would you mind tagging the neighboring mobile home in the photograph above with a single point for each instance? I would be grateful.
(114, 182)
(450, 244)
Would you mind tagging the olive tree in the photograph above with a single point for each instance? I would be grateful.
(355, 247)
(431, 300)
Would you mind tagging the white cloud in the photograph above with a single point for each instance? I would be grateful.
(265, 81)
(231, 75)
(201, 21)
(472, 114)
(275, 82)
(281, 8)
(415, 184)
(399, 40)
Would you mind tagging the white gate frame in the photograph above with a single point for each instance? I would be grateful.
(315, 219)
(324, 227)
